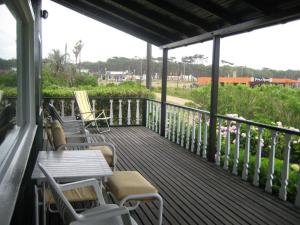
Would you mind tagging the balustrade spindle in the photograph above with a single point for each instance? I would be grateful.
(258, 158)
(188, 133)
(219, 143)
(166, 122)
(147, 114)
(120, 112)
(178, 127)
(6, 102)
(156, 117)
(270, 174)
(246, 154)
(227, 147)
(72, 107)
(52, 101)
(193, 133)
(199, 133)
(153, 116)
(129, 112)
(94, 107)
(237, 149)
(182, 129)
(137, 114)
(111, 112)
(285, 167)
(62, 107)
(159, 116)
(297, 201)
(170, 122)
(174, 123)
(150, 113)
(205, 136)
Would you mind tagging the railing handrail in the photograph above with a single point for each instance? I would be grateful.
(182, 107)
(94, 97)
(262, 125)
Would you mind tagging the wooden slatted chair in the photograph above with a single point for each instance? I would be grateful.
(107, 214)
(87, 114)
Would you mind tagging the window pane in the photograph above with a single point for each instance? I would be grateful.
(8, 73)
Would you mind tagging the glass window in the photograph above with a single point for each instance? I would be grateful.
(8, 75)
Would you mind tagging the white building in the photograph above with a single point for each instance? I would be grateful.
(116, 75)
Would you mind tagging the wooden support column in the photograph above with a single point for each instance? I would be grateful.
(212, 148)
(148, 71)
(164, 77)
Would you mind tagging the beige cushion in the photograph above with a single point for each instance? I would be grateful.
(74, 195)
(58, 134)
(125, 183)
(107, 153)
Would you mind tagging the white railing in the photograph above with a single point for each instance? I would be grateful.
(122, 111)
(241, 144)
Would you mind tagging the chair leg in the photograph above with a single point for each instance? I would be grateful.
(37, 219)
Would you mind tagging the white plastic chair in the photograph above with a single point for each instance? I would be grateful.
(107, 214)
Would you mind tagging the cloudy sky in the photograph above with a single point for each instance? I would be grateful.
(276, 47)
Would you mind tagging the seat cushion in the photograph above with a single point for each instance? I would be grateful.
(125, 183)
(58, 134)
(74, 195)
(107, 153)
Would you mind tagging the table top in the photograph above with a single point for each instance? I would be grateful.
(72, 165)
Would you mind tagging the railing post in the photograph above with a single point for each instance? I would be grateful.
(146, 116)
(258, 158)
(156, 117)
(120, 112)
(164, 92)
(214, 100)
(170, 122)
(111, 112)
(285, 168)
(182, 129)
(129, 112)
(137, 114)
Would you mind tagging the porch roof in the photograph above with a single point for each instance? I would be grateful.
(175, 23)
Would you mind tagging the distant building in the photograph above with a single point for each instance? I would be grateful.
(182, 77)
(116, 75)
(251, 81)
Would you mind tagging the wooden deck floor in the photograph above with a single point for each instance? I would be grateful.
(194, 191)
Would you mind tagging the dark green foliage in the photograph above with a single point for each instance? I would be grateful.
(85, 80)
(8, 79)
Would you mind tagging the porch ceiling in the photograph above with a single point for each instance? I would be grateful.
(174, 23)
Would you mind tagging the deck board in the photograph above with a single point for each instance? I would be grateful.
(194, 190)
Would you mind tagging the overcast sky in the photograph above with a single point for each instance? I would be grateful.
(276, 47)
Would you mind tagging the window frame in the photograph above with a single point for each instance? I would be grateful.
(19, 141)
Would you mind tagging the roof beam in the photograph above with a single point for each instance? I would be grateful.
(261, 6)
(282, 17)
(115, 11)
(215, 9)
(114, 21)
(179, 12)
(140, 9)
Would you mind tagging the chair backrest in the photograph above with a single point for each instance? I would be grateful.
(64, 207)
(84, 105)
(53, 113)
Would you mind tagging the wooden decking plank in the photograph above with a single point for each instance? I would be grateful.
(179, 190)
(246, 196)
(221, 209)
(129, 132)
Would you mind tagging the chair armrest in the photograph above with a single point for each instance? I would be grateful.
(102, 214)
(84, 183)
(86, 136)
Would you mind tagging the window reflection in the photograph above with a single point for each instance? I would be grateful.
(8, 72)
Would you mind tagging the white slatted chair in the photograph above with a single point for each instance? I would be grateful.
(88, 116)
(107, 214)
